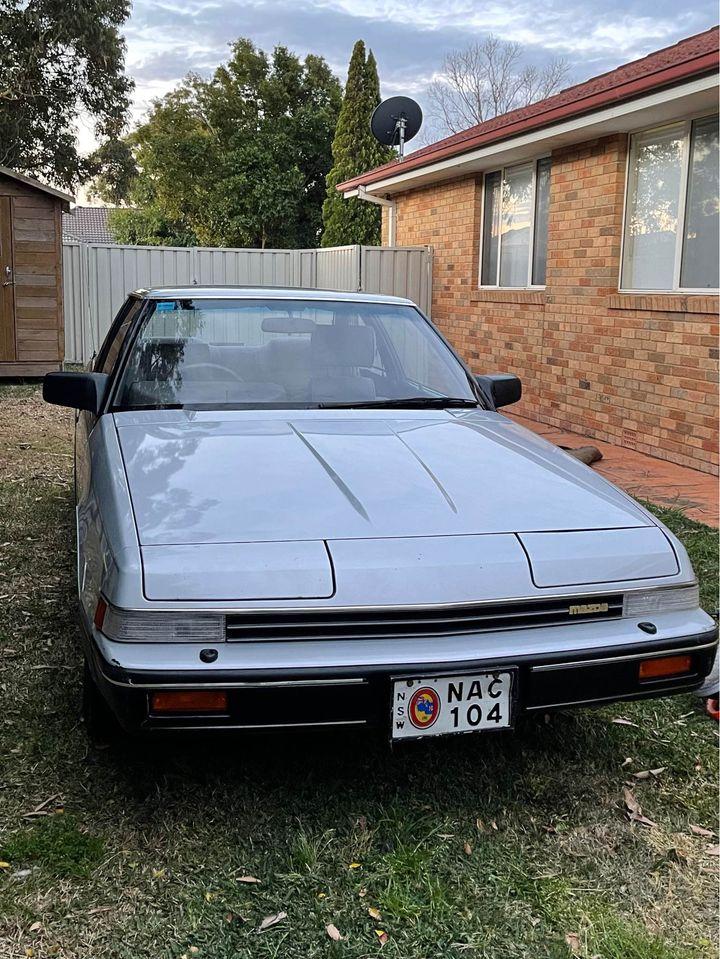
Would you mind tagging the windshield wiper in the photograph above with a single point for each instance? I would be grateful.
(407, 402)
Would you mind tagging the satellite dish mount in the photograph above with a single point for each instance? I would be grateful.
(396, 121)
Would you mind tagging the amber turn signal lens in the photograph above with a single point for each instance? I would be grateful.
(667, 666)
(189, 701)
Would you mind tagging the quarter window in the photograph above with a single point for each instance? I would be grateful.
(515, 225)
(671, 220)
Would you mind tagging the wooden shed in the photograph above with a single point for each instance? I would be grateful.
(31, 291)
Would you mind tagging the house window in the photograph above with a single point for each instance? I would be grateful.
(671, 221)
(515, 225)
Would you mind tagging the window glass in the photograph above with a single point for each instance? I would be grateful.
(116, 337)
(701, 254)
(285, 353)
(542, 210)
(653, 202)
(516, 223)
(491, 229)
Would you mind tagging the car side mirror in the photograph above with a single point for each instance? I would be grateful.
(79, 391)
(502, 388)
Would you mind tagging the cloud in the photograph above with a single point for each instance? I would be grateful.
(168, 38)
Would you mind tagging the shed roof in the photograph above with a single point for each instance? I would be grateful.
(35, 184)
(690, 58)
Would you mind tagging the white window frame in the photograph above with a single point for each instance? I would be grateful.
(531, 252)
(633, 137)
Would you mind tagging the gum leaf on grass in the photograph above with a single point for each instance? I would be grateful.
(695, 830)
(332, 930)
(248, 879)
(270, 921)
(634, 810)
(573, 943)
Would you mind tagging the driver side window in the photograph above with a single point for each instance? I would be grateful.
(110, 349)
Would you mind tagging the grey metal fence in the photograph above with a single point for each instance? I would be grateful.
(98, 277)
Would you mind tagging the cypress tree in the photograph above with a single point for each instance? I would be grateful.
(354, 150)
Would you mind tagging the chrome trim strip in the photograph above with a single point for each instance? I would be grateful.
(351, 681)
(539, 595)
(650, 654)
(205, 729)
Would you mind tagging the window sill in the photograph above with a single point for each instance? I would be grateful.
(665, 302)
(508, 295)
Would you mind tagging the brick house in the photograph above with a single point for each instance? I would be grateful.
(576, 244)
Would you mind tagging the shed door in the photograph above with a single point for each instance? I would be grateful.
(7, 288)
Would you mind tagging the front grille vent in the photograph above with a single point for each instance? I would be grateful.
(329, 624)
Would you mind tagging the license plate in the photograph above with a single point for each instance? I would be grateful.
(451, 704)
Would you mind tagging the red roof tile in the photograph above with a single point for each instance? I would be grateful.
(694, 56)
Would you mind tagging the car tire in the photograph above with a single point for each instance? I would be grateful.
(101, 725)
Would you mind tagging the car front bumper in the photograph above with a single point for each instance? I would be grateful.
(304, 684)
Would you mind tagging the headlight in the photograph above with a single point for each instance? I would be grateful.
(661, 600)
(129, 626)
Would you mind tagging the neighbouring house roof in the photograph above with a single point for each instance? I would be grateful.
(691, 58)
(36, 184)
(87, 224)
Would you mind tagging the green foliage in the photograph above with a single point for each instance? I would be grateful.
(58, 845)
(57, 59)
(354, 150)
(114, 171)
(237, 160)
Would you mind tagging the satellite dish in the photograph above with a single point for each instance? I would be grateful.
(395, 121)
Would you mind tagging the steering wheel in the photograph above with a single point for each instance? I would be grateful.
(212, 366)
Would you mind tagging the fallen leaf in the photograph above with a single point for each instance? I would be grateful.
(382, 936)
(621, 721)
(333, 932)
(626, 762)
(573, 942)
(29, 952)
(209, 896)
(467, 849)
(631, 802)
(269, 921)
(194, 950)
(355, 865)
(643, 820)
(696, 830)
(322, 895)
(248, 879)
(158, 873)
(375, 914)
(647, 773)
(4, 865)
(362, 893)
(712, 851)
(480, 825)
(35, 926)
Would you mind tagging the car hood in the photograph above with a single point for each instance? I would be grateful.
(309, 475)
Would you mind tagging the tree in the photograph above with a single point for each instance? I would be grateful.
(58, 59)
(354, 150)
(237, 160)
(489, 78)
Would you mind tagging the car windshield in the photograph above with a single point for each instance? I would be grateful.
(210, 353)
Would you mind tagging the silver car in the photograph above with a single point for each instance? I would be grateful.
(299, 508)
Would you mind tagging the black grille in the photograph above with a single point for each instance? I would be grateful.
(332, 624)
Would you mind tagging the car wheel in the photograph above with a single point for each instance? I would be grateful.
(101, 725)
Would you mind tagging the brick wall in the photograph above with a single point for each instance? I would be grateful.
(638, 370)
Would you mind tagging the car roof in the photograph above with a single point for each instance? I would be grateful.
(266, 293)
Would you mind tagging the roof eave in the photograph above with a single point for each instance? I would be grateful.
(671, 77)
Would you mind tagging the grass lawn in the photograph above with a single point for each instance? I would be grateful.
(492, 847)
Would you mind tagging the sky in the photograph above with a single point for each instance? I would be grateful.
(168, 38)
